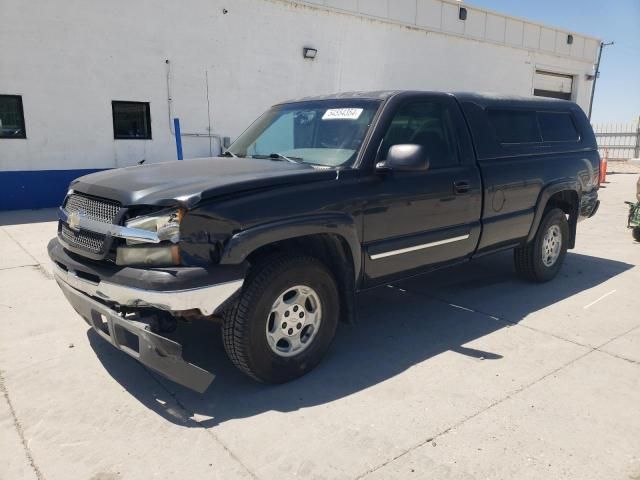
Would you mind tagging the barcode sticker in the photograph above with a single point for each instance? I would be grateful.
(342, 114)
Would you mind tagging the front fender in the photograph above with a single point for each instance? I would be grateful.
(242, 244)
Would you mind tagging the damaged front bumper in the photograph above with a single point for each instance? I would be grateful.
(99, 302)
(135, 338)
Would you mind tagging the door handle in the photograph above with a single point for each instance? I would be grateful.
(461, 187)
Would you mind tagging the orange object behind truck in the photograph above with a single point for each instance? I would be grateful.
(603, 165)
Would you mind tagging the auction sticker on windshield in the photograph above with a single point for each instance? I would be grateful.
(342, 114)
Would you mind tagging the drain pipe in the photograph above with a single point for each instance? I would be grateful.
(209, 135)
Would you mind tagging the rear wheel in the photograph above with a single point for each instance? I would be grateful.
(541, 259)
(284, 320)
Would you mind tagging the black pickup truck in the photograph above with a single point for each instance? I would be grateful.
(318, 199)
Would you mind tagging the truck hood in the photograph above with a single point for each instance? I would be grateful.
(187, 182)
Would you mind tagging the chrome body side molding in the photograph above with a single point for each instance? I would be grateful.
(400, 251)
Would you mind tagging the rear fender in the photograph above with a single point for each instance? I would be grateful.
(543, 199)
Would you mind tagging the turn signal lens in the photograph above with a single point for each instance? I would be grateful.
(149, 256)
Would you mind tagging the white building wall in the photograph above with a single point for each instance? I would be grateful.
(70, 59)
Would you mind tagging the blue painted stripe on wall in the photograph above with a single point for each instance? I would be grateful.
(37, 188)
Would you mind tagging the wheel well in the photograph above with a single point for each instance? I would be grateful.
(330, 249)
(567, 201)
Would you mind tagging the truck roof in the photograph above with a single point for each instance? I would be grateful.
(480, 98)
(475, 107)
(356, 95)
(495, 99)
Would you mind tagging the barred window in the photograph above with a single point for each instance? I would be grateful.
(11, 117)
(131, 120)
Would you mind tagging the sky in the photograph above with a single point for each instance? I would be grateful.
(617, 96)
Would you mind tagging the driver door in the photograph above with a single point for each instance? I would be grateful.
(420, 219)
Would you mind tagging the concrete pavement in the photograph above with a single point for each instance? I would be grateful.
(467, 373)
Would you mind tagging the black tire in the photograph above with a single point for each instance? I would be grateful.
(636, 233)
(528, 259)
(245, 321)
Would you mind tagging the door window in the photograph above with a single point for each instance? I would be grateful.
(424, 123)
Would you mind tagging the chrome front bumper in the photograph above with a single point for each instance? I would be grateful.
(206, 299)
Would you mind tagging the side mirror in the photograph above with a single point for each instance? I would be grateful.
(405, 158)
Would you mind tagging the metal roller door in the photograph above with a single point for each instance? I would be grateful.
(554, 85)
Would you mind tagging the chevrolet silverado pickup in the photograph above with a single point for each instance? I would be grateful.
(319, 199)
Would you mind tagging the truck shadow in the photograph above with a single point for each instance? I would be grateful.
(397, 327)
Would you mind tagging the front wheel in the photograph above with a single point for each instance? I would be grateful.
(540, 260)
(284, 320)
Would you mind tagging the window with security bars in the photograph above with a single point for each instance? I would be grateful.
(131, 120)
(11, 117)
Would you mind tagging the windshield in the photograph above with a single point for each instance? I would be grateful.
(327, 133)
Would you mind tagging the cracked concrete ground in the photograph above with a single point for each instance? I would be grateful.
(467, 373)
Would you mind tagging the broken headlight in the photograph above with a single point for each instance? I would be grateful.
(166, 225)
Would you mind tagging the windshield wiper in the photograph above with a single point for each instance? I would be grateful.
(279, 156)
(228, 153)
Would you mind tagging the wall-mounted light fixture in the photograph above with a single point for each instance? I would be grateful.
(308, 52)
(462, 13)
(569, 39)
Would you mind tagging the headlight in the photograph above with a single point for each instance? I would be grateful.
(166, 224)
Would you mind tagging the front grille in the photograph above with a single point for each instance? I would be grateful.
(85, 240)
(98, 209)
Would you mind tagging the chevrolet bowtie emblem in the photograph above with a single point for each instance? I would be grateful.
(74, 221)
